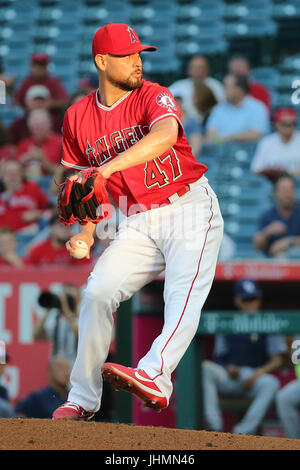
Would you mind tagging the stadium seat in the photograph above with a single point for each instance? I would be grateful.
(206, 10)
(48, 3)
(285, 82)
(235, 12)
(198, 30)
(139, 2)
(9, 113)
(212, 150)
(290, 64)
(7, 14)
(159, 64)
(286, 10)
(119, 14)
(142, 14)
(282, 100)
(251, 29)
(207, 46)
(44, 32)
(259, 9)
(155, 32)
(268, 76)
(49, 14)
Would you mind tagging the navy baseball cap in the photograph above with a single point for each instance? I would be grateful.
(247, 289)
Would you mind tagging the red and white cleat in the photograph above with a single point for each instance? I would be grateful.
(71, 410)
(134, 381)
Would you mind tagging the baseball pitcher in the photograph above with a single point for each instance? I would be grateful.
(126, 139)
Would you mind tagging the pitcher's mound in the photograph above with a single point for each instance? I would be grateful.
(40, 434)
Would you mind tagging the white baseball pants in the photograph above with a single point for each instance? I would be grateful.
(183, 239)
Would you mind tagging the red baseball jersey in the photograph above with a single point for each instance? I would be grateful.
(93, 134)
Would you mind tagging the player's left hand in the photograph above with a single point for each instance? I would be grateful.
(82, 196)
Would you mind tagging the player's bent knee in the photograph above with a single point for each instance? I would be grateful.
(99, 290)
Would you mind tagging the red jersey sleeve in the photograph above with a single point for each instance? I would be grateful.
(71, 154)
(160, 104)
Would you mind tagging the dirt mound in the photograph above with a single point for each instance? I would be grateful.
(38, 434)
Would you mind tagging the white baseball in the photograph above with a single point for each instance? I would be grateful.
(81, 250)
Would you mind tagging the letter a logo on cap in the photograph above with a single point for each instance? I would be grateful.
(133, 36)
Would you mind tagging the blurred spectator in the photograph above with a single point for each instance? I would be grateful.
(88, 84)
(22, 203)
(239, 65)
(279, 152)
(76, 97)
(192, 126)
(198, 70)
(7, 79)
(278, 231)
(39, 75)
(204, 101)
(240, 118)
(41, 152)
(63, 331)
(6, 410)
(242, 367)
(42, 403)
(6, 149)
(52, 251)
(36, 97)
(8, 249)
(288, 406)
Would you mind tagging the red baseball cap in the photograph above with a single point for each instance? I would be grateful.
(284, 114)
(40, 57)
(118, 39)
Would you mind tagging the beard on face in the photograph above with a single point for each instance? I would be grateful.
(126, 85)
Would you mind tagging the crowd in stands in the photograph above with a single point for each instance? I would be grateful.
(236, 109)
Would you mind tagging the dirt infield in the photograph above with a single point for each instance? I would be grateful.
(37, 434)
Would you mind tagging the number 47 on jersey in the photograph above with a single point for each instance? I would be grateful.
(157, 173)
